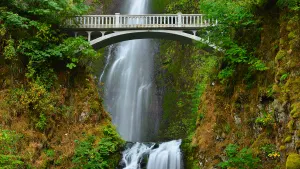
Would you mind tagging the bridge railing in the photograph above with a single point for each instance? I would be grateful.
(140, 21)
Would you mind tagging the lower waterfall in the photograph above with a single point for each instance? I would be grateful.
(165, 155)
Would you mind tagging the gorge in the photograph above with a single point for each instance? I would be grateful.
(156, 104)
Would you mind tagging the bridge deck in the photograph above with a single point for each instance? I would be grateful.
(140, 22)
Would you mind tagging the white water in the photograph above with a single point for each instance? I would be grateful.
(166, 156)
(107, 62)
(128, 83)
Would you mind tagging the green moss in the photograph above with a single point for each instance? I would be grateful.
(293, 161)
(276, 89)
(282, 148)
(295, 113)
(291, 126)
(159, 5)
(298, 133)
(281, 54)
(282, 41)
(297, 144)
(292, 35)
(288, 139)
(294, 44)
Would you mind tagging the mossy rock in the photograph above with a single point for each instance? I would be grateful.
(281, 54)
(291, 126)
(292, 35)
(288, 139)
(295, 112)
(282, 148)
(276, 89)
(282, 41)
(293, 161)
(297, 145)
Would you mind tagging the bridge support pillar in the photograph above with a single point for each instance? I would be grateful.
(194, 33)
(89, 35)
(102, 33)
(179, 19)
(76, 34)
(117, 19)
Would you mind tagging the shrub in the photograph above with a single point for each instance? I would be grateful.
(101, 155)
(8, 149)
(270, 151)
(242, 159)
(266, 120)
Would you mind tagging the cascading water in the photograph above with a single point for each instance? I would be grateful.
(166, 156)
(130, 98)
(128, 83)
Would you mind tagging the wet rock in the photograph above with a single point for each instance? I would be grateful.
(83, 116)
(237, 119)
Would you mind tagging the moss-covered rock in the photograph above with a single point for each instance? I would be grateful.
(293, 161)
(281, 54)
(288, 139)
(282, 148)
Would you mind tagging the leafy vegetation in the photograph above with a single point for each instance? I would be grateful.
(31, 38)
(103, 154)
(235, 20)
(9, 157)
(292, 4)
(270, 151)
(175, 6)
(266, 120)
(242, 159)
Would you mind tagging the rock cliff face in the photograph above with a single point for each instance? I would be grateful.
(51, 115)
(261, 114)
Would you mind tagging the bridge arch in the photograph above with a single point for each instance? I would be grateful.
(120, 36)
(130, 27)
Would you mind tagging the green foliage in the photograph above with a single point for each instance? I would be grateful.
(284, 77)
(50, 153)
(227, 128)
(237, 34)
(208, 65)
(103, 154)
(159, 5)
(8, 149)
(269, 150)
(226, 73)
(266, 120)
(291, 4)
(31, 35)
(242, 159)
(9, 50)
(36, 101)
(257, 64)
(42, 122)
(183, 6)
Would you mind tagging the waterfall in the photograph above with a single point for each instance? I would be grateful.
(107, 62)
(131, 100)
(128, 85)
(166, 156)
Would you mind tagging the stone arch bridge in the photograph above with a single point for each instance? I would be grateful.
(104, 30)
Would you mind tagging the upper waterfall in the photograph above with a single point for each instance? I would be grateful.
(129, 91)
